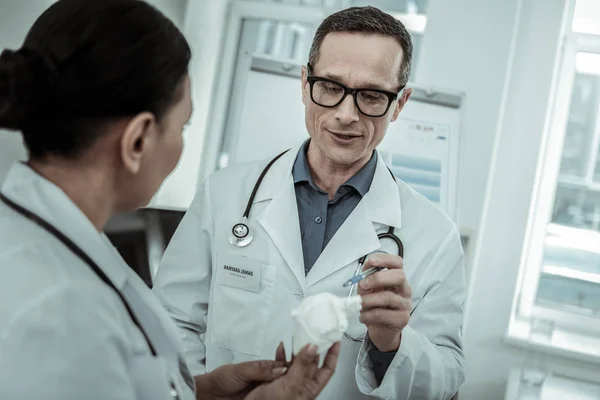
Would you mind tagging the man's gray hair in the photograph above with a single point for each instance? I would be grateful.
(370, 21)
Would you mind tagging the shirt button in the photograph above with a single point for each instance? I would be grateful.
(318, 220)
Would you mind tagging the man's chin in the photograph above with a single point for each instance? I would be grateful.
(344, 157)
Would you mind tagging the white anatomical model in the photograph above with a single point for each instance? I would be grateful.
(322, 319)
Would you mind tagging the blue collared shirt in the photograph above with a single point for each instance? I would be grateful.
(320, 218)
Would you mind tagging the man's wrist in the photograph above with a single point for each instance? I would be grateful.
(381, 359)
(390, 347)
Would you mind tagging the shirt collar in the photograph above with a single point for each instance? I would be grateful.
(300, 170)
(361, 181)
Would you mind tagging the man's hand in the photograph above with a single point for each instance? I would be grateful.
(234, 381)
(304, 380)
(386, 301)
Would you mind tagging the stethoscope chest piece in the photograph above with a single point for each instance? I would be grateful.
(240, 235)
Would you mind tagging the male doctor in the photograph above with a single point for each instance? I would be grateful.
(317, 211)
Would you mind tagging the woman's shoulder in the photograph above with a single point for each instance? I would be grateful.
(65, 316)
(31, 263)
(42, 282)
(38, 288)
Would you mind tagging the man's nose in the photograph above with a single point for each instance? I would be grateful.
(347, 111)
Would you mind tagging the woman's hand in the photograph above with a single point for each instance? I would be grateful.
(304, 380)
(234, 381)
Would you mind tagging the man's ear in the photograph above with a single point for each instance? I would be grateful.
(135, 141)
(305, 88)
(401, 103)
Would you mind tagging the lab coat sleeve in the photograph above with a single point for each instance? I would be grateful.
(429, 362)
(183, 279)
(66, 344)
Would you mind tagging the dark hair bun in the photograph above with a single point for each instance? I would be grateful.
(86, 63)
(26, 83)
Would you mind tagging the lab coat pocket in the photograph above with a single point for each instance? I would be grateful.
(241, 307)
(150, 378)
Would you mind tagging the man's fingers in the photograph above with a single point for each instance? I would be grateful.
(325, 373)
(391, 277)
(384, 317)
(383, 260)
(385, 299)
(394, 280)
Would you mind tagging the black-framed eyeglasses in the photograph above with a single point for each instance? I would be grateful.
(330, 94)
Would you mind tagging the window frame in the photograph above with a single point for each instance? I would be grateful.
(556, 329)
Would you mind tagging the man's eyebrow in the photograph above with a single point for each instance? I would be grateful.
(365, 85)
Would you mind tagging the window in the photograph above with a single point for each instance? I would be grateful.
(570, 275)
(560, 285)
(587, 17)
(283, 40)
(396, 6)
(291, 40)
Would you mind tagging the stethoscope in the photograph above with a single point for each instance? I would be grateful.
(76, 250)
(241, 234)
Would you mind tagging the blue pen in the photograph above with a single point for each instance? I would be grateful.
(359, 277)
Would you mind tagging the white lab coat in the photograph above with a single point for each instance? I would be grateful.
(64, 334)
(238, 325)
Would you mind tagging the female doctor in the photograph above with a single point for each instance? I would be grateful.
(101, 93)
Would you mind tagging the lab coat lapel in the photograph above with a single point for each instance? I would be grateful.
(280, 217)
(355, 238)
(358, 236)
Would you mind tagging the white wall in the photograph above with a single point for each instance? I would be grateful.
(174, 10)
(16, 17)
(463, 50)
(204, 26)
(467, 46)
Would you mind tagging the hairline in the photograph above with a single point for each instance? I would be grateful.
(399, 73)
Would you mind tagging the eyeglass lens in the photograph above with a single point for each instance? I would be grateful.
(329, 94)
